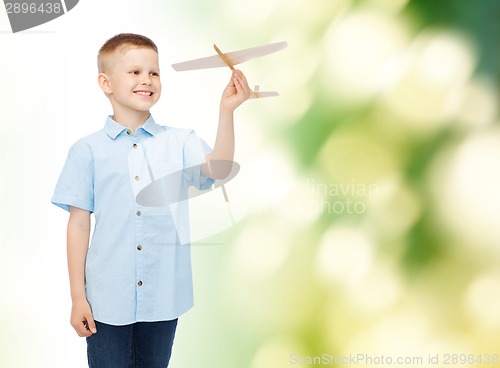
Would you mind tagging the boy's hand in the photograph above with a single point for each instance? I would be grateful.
(236, 92)
(81, 318)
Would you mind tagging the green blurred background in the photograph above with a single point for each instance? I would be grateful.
(370, 186)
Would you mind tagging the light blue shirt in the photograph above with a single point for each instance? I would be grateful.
(137, 268)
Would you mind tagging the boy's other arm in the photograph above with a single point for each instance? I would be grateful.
(235, 93)
(77, 245)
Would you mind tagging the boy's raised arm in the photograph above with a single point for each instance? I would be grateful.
(77, 245)
(235, 93)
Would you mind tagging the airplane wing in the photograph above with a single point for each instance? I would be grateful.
(236, 57)
(258, 94)
(203, 63)
(264, 94)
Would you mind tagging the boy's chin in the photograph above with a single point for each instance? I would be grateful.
(144, 107)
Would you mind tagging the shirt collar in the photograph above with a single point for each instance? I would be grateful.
(150, 126)
(113, 129)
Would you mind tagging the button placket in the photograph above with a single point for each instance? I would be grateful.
(137, 178)
(135, 146)
(139, 261)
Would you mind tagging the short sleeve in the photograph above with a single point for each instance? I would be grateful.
(194, 152)
(75, 185)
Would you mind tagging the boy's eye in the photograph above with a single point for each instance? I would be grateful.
(154, 74)
(134, 72)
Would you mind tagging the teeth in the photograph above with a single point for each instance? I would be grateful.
(144, 93)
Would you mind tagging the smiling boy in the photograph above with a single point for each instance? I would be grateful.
(131, 285)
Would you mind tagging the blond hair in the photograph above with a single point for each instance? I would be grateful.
(121, 42)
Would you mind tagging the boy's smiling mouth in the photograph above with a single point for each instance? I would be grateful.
(144, 93)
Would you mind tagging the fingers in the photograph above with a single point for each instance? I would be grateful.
(241, 75)
(241, 83)
(82, 321)
(81, 328)
(91, 323)
(236, 92)
(231, 81)
(237, 84)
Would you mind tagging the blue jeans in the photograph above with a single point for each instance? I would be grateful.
(139, 345)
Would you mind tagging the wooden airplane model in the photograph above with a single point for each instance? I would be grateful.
(233, 58)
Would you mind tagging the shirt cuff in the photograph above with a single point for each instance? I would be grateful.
(203, 182)
(64, 201)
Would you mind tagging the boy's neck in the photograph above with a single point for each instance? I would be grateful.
(132, 120)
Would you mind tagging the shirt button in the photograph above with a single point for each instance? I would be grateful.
(137, 178)
(138, 213)
(135, 145)
(139, 283)
(129, 131)
(139, 247)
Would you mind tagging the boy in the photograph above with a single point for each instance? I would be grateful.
(135, 281)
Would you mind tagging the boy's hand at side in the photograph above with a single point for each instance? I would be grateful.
(236, 92)
(78, 240)
(81, 318)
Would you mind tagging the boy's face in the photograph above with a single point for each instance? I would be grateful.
(134, 79)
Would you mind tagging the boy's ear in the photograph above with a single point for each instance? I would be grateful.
(103, 81)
